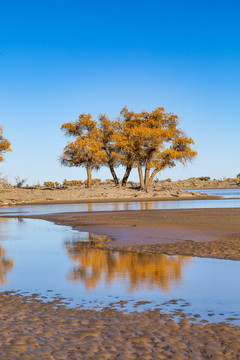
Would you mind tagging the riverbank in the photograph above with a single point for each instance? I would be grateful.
(204, 183)
(12, 196)
(213, 233)
(31, 329)
(55, 193)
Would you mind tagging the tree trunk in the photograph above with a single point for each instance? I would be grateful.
(154, 173)
(140, 173)
(113, 174)
(89, 176)
(126, 175)
(146, 177)
(90, 207)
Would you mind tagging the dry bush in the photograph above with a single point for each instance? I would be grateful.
(19, 182)
(72, 183)
(204, 178)
(49, 184)
(4, 183)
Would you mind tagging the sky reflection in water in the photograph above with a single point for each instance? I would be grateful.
(121, 206)
(37, 256)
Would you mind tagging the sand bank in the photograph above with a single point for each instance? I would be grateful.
(211, 233)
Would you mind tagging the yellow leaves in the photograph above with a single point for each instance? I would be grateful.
(141, 135)
(4, 144)
(83, 125)
(72, 183)
(181, 148)
(87, 148)
(150, 139)
(69, 128)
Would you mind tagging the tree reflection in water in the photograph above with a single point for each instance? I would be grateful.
(6, 265)
(140, 269)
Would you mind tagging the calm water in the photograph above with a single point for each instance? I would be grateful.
(48, 259)
(224, 193)
(231, 199)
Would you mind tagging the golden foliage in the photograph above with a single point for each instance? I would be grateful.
(4, 144)
(52, 184)
(83, 125)
(72, 183)
(83, 152)
(149, 140)
(95, 181)
(49, 184)
(87, 149)
(153, 141)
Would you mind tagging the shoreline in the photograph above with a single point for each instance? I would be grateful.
(211, 233)
(109, 200)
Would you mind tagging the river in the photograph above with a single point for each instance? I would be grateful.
(52, 261)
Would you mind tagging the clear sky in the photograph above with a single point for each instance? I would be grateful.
(61, 58)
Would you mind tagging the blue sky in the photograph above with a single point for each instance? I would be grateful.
(61, 58)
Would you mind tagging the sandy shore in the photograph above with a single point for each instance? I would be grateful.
(213, 233)
(12, 196)
(31, 329)
(106, 191)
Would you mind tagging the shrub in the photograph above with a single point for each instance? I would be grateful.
(204, 178)
(20, 182)
(96, 181)
(72, 183)
(49, 184)
(238, 176)
(4, 180)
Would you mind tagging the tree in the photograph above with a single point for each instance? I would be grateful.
(151, 141)
(108, 129)
(124, 142)
(179, 150)
(86, 150)
(4, 144)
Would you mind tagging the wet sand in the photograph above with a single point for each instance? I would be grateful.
(31, 329)
(213, 233)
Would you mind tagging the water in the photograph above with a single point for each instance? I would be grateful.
(224, 193)
(122, 206)
(40, 257)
